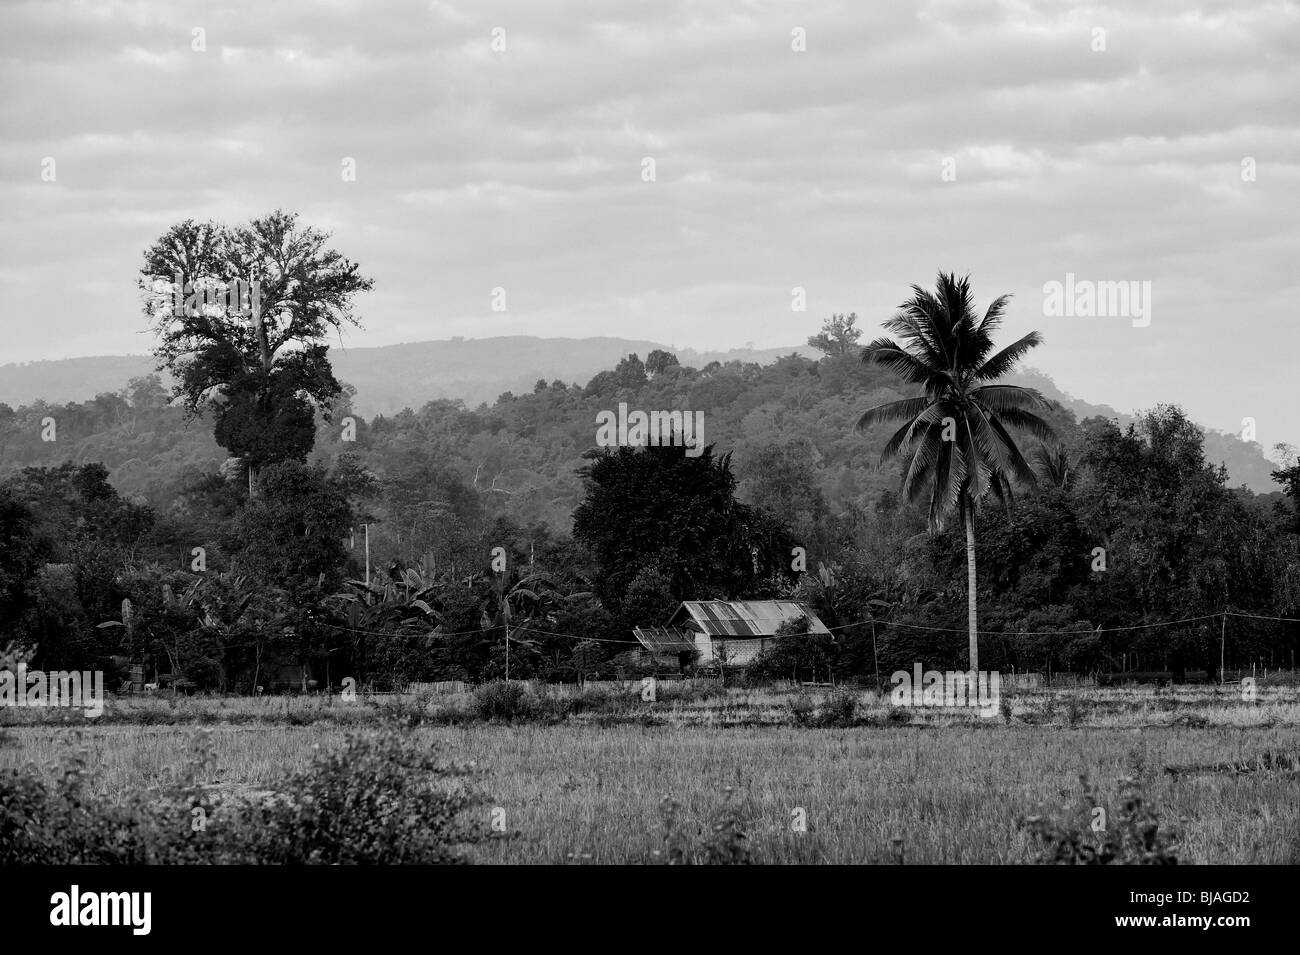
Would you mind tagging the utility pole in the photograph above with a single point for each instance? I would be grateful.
(1223, 632)
(367, 527)
(874, 657)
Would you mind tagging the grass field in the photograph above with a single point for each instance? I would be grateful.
(921, 787)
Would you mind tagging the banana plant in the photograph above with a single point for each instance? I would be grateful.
(401, 604)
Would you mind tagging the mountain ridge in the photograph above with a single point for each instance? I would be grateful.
(389, 378)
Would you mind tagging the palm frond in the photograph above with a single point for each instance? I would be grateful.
(1054, 465)
(922, 461)
(887, 354)
(1007, 358)
(913, 431)
(893, 411)
(1000, 397)
(977, 446)
(947, 481)
(992, 320)
(1027, 421)
(922, 326)
(1013, 460)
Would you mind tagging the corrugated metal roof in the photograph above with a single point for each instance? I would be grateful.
(664, 639)
(744, 618)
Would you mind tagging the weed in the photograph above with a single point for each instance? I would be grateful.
(840, 710)
(723, 844)
(504, 701)
(801, 709)
(1134, 838)
(374, 801)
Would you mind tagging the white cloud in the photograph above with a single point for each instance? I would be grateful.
(775, 168)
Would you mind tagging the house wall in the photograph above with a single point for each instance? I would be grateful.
(740, 651)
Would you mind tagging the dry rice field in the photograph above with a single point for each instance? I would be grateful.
(923, 787)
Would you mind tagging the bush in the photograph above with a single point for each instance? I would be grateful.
(371, 802)
(801, 709)
(590, 698)
(504, 701)
(723, 844)
(898, 716)
(1132, 837)
(840, 710)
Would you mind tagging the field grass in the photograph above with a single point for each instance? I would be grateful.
(945, 787)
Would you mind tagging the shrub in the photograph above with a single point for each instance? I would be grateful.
(589, 698)
(839, 710)
(1132, 837)
(504, 701)
(898, 716)
(801, 709)
(370, 802)
(723, 844)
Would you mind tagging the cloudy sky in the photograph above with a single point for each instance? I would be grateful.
(1016, 141)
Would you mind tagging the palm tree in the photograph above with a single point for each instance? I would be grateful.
(955, 439)
(1054, 465)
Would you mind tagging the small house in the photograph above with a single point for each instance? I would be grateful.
(726, 632)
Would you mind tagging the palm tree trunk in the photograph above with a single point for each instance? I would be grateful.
(968, 512)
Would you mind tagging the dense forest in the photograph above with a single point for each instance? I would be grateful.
(131, 536)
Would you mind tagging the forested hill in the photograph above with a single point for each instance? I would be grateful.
(519, 456)
(475, 371)
(394, 377)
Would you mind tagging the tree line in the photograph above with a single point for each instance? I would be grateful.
(923, 508)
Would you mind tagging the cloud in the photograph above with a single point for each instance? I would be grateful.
(775, 168)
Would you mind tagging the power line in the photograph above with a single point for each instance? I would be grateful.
(866, 623)
(845, 626)
(1256, 616)
(1034, 633)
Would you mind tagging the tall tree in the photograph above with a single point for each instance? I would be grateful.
(839, 335)
(659, 361)
(22, 551)
(956, 438)
(241, 316)
(655, 513)
(1288, 475)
